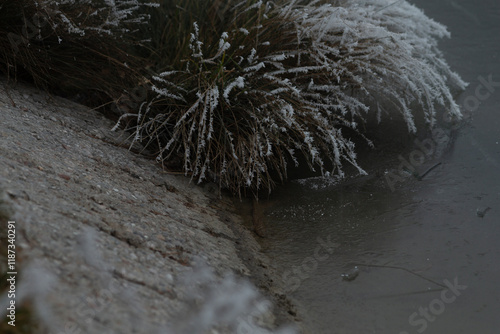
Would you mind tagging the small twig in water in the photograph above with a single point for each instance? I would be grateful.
(404, 269)
(480, 213)
(420, 177)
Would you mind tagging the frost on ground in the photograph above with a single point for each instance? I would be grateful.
(232, 304)
(238, 91)
(215, 305)
(107, 243)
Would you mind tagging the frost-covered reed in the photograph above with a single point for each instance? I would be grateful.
(239, 90)
(84, 47)
(270, 82)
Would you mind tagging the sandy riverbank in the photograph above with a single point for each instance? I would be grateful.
(107, 242)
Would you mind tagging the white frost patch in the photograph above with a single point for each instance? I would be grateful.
(231, 303)
(239, 82)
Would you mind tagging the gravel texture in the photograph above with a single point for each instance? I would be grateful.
(109, 241)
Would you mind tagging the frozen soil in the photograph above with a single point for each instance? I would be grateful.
(107, 240)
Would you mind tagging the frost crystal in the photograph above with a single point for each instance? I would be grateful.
(286, 78)
(108, 17)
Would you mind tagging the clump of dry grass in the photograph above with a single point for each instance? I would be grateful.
(216, 107)
(73, 47)
(251, 86)
(237, 90)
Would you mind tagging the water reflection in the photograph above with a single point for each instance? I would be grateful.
(430, 227)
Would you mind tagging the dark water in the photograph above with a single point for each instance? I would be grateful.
(437, 229)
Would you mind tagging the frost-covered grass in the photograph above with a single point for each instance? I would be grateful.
(73, 46)
(253, 85)
(239, 90)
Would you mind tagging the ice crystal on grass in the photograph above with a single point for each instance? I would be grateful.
(75, 47)
(110, 17)
(289, 79)
(239, 90)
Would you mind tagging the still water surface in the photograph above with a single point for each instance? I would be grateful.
(433, 227)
